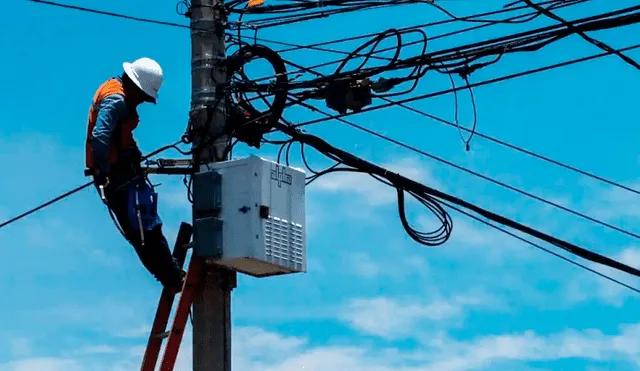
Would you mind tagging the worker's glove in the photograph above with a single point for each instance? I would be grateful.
(100, 178)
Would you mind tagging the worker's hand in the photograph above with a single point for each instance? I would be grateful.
(100, 178)
(101, 181)
(102, 189)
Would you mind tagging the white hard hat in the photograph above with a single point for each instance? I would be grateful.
(146, 74)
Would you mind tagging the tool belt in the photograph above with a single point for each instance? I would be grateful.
(125, 169)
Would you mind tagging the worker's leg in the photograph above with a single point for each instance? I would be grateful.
(157, 248)
(152, 247)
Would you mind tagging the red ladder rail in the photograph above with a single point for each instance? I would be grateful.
(165, 303)
(194, 274)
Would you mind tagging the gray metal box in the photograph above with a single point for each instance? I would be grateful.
(259, 207)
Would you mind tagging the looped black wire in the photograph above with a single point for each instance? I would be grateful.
(268, 119)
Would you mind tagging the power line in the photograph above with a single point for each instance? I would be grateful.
(519, 149)
(372, 54)
(158, 22)
(431, 198)
(459, 59)
(472, 85)
(294, 18)
(110, 14)
(503, 230)
(400, 103)
(495, 140)
(48, 203)
(590, 40)
(166, 23)
(79, 188)
(502, 184)
(295, 47)
(317, 45)
(542, 248)
(484, 177)
(113, 14)
(552, 34)
(358, 5)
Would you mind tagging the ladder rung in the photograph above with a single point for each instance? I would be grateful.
(162, 335)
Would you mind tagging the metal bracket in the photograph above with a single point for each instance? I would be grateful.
(167, 162)
(157, 170)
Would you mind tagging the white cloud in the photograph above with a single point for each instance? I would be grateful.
(104, 315)
(590, 286)
(363, 265)
(256, 349)
(43, 364)
(397, 318)
(528, 346)
(256, 342)
(630, 256)
(98, 349)
(134, 332)
(616, 203)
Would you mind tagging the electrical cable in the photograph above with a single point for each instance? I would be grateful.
(374, 42)
(520, 149)
(346, 6)
(484, 177)
(295, 47)
(500, 229)
(458, 59)
(472, 85)
(118, 15)
(401, 194)
(324, 13)
(77, 189)
(553, 5)
(590, 40)
(542, 248)
(48, 203)
(494, 140)
(415, 236)
(433, 196)
(147, 20)
(522, 18)
(296, 18)
(111, 14)
(246, 122)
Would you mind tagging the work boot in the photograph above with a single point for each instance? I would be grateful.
(175, 287)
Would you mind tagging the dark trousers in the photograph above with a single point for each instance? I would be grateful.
(154, 253)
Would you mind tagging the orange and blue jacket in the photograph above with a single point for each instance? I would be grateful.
(110, 127)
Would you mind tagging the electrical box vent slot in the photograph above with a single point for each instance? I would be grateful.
(284, 243)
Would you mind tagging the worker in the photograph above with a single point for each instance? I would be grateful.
(113, 158)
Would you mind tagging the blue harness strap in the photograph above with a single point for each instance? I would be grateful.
(143, 206)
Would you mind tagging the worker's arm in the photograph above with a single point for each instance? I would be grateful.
(111, 110)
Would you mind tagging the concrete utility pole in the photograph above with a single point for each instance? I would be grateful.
(212, 304)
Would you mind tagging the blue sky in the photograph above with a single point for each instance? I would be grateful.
(77, 298)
